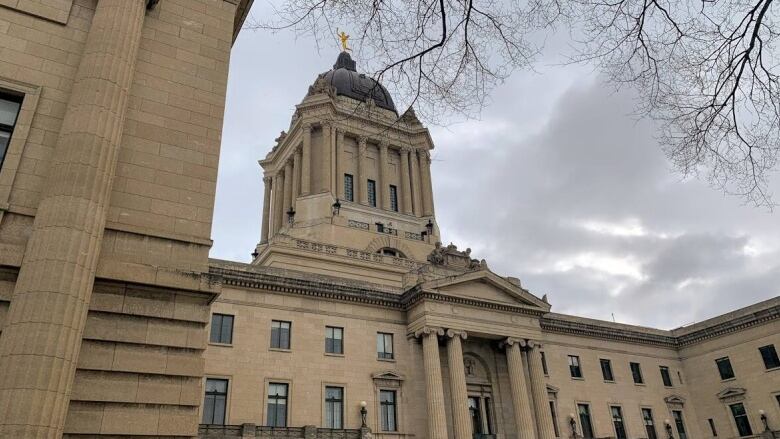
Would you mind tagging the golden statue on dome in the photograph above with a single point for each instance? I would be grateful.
(343, 37)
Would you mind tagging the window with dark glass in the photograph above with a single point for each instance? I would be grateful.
(585, 423)
(574, 366)
(215, 401)
(769, 355)
(665, 377)
(636, 373)
(221, 328)
(647, 418)
(544, 363)
(334, 407)
(741, 420)
(9, 112)
(475, 412)
(388, 412)
(393, 198)
(617, 421)
(777, 397)
(606, 370)
(680, 424)
(724, 368)
(277, 405)
(280, 334)
(712, 427)
(349, 188)
(554, 414)
(384, 346)
(371, 193)
(334, 340)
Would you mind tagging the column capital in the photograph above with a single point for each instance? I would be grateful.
(384, 144)
(362, 141)
(452, 333)
(406, 149)
(267, 179)
(326, 123)
(534, 344)
(428, 330)
(511, 341)
(306, 126)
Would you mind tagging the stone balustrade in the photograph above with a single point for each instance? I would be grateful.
(246, 431)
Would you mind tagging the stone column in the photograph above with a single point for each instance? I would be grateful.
(40, 342)
(278, 201)
(306, 161)
(461, 419)
(406, 183)
(296, 183)
(520, 396)
(340, 164)
(539, 392)
(327, 141)
(434, 388)
(425, 176)
(360, 184)
(266, 209)
(416, 192)
(288, 183)
(383, 191)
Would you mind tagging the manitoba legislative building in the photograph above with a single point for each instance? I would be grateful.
(356, 317)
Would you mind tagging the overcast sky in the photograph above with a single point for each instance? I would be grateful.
(556, 184)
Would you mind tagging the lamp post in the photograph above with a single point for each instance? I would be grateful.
(363, 414)
(762, 415)
(668, 426)
(336, 207)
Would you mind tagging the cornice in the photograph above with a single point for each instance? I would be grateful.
(560, 326)
(756, 318)
(416, 294)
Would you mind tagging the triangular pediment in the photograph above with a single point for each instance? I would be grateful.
(487, 286)
(674, 399)
(387, 375)
(731, 392)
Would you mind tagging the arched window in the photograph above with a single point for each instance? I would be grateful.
(389, 251)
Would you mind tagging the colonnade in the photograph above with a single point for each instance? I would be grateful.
(527, 406)
(294, 177)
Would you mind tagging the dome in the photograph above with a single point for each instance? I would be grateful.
(348, 82)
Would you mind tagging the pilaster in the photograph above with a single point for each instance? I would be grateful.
(406, 184)
(266, 209)
(296, 183)
(306, 160)
(383, 191)
(326, 150)
(427, 187)
(416, 190)
(288, 184)
(361, 170)
(340, 164)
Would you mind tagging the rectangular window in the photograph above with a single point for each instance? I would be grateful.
(393, 198)
(387, 410)
(215, 401)
(665, 377)
(384, 346)
(280, 334)
(334, 340)
(741, 420)
(712, 427)
(371, 193)
(221, 329)
(554, 414)
(617, 421)
(574, 366)
(349, 188)
(606, 370)
(636, 373)
(587, 427)
(647, 418)
(724, 368)
(334, 407)
(680, 424)
(769, 354)
(277, 405)
(544, 363)
(9, 112)
(475, 413)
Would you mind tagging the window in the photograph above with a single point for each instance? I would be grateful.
(280, 334)
(724, 368)
(475, 413)
(712, 427)
(544, 363)
(741, 420)
(387, 410)
(647, 418)
(777, 397)
(277, 405)
(680, 424)
(349, 188)
(9, 111)
(617, 421)
(389, 251)
(393, 198)
(606, 370)
(769, 354)
(334, 407)
(665, 377)
(554, 414)
(636, 372)
(384, 346)
(587, 427)
(221, 329)
(215, 401)
(371, 193)
(574, 366)
(334, 340)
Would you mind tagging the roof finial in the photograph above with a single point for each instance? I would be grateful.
(343, 37)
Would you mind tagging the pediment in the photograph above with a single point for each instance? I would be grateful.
(487, 286)
(674, 399)
(552, 389)
(387, 375)
(731, 392)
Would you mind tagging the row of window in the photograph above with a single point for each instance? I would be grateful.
(281, 334)
(277, 403)
(349, 192)
(616, 413)
(575, 370)
(768, 354)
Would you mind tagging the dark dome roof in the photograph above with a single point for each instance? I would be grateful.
(348, 82)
